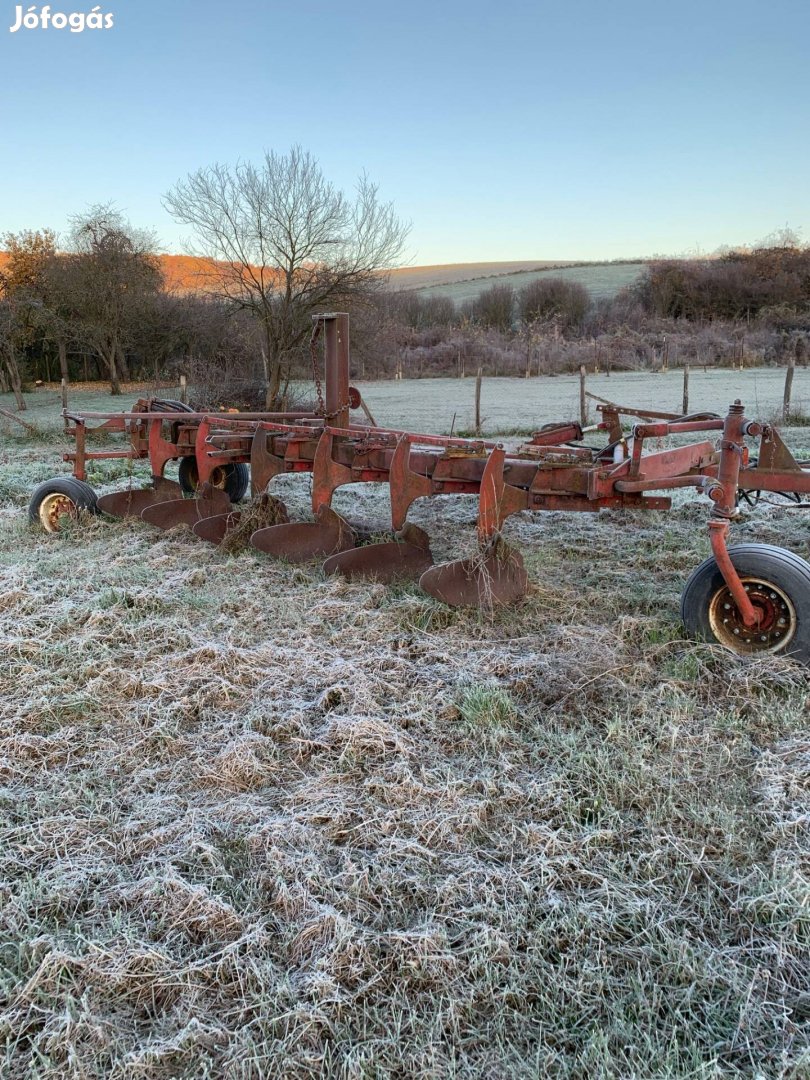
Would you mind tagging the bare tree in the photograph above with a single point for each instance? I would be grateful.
(554, 298)
(103, 286)
(494, 307)
(13, 332)
(280, 241)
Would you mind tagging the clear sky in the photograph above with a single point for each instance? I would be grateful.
(572, 129)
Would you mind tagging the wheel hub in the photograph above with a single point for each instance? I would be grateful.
(52, 508)
(777, 618)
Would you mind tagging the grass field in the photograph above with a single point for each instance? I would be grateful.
(419, 277)
(602, 281)
(259, 823)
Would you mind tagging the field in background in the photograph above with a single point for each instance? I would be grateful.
(422, 277)
(603, 281)
(255, 822)
(189, 273)
(430, 405)
(507, 404)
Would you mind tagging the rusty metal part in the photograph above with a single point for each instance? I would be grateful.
(214, 529)
(392, 561)
(209, 503)
(313, 355)
(494, 577)
(264, 465)
(775, 623)
(133, 501)
(718, 535)
(556, 434)
(336, 333)
(497, 499)
(403, 559)
(303, 541)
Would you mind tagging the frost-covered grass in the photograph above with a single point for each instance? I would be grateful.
(603, 281)
(259, 823)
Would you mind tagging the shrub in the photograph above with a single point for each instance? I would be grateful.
(554, 298)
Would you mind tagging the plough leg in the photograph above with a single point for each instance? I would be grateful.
(495, 575)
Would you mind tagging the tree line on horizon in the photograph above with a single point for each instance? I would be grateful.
(279, 243)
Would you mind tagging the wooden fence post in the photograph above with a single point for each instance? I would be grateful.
(583, 403)
(184, 389)
(685, 408)
(478, 378)
(788, 387)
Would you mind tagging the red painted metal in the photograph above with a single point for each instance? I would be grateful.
(497, 499)
(546, 473)
(336, 335)
(327, 474)
(406, 485)
(718, 534)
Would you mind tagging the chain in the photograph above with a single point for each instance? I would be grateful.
(316, 331)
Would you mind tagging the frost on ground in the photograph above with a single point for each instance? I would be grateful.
(259, 823)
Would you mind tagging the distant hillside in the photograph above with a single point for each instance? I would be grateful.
(602, 280)
(461, 281)
(182, 273)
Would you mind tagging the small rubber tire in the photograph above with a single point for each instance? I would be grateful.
(234, 481)
(788, 574)
(76, 492)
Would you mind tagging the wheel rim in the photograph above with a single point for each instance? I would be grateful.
(777, 616)
(53, 507)
(216, 479)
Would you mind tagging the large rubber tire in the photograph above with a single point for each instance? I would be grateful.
(55, 498)
(779, 582)
(170, 405)
(234, 479)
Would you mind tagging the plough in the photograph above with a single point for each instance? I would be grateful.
(749, 597)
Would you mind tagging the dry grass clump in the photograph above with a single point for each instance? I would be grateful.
(255, 823)
(263, 512)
